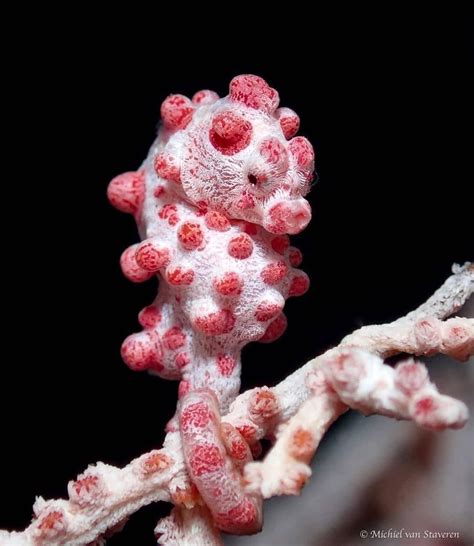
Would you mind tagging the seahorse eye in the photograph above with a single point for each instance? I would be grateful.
(252, 179)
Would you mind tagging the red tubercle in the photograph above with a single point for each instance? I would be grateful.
(130, 267)
(183, 389)
(174, 338)
(167, 166)
(217, 323)
(191, 235)
(267, 310)
(275, 329)
(216, 221)
(155, 462)
(273, 151)
(226, 364)
(240, 246)
(143, 351)
(182, 359)
(302, 151)
(176, 112)
(179, 276)
(299, 285)
(228, 284)
(254, 92)
(149, 316)
(295, 256)
(127, 191)
(151, 257)
(196, 415)
(280, 244)
(230, 133)
(205, 96)
(169, 212)
(274, 273)
(289, 121)
(205, 459)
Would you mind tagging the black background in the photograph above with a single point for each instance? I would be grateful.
(386, 99)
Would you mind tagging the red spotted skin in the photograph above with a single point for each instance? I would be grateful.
(221, 189)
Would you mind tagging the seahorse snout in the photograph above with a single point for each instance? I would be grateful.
(290, 216)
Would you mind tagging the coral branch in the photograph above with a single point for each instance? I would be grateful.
(162, 475)
(421, 332)
(188, 528)
(349, 377)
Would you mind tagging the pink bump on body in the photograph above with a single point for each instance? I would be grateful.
(169, 212)
(149, 316)
(274, 273)
(151, 257)
(217, 221)
(174, 338)
(205, 96)
(267, 310)
(289, 121)
(228, 284)
(130, 267)
(275, 329)
(176, 111)
(254, 92)
(167, 167)
(190, 235)
(240, 246)
(217, 323)
(143, 351)
(299, 285)
(127, 191)
(179, 276)
(295, 256)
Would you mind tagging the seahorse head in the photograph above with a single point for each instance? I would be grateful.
(239, 155)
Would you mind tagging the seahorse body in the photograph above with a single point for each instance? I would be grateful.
(221, 188)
